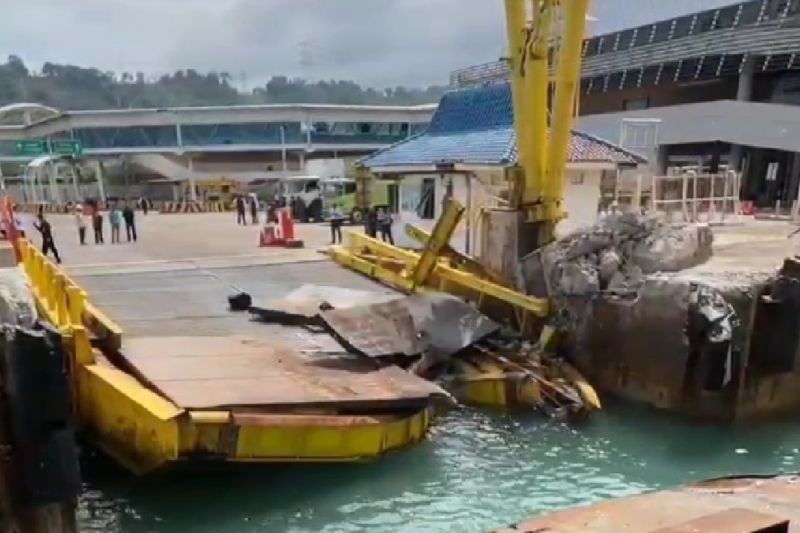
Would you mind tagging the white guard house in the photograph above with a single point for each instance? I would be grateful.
(464, 152)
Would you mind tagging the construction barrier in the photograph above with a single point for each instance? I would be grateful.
(280, 234)
(162, 207)
(194, 207)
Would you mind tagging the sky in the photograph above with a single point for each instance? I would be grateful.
(374, 42)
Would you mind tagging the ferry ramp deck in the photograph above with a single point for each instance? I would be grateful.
(188, 380)
(181, 338)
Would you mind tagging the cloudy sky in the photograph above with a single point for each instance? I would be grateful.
(375, 42)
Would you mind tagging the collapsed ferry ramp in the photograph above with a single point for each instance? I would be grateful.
(173, 375)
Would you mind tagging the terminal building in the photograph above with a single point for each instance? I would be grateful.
(246, 143)
(715, 89)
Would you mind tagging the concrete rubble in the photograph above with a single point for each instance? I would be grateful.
(610, 260)
(616, 254)
(16, 301)
(643, 317)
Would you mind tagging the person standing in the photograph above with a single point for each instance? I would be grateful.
(20, 221)
(80, 223)
(145, 205)
(384, 220)
(115, 217)
(371, 223)
(48, 244)
(337, 218)
(241, 219)
(130, 223)
(254, 208)
(97, 224)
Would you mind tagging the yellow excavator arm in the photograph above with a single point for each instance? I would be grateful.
(545, 36)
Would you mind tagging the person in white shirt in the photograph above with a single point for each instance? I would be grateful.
(80, 223)
(22, 222)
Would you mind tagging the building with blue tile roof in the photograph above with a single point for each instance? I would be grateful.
(466, 149)
(475, 126)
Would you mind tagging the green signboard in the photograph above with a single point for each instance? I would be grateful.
(38, 147)
(68, 147)
(31, 147)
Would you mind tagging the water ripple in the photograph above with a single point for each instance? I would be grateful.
(478, 470)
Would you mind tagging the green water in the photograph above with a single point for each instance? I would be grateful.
(478, 470)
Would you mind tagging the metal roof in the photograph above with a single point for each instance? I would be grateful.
(475, 126)
(762, 125)
(243, 114)
(699, 45)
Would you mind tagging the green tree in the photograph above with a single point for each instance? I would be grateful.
(72, 87)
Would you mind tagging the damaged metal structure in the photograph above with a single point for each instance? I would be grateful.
(444, 339)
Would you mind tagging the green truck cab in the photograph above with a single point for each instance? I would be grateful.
(354, 196)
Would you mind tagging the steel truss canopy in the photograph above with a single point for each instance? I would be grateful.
(701, 45)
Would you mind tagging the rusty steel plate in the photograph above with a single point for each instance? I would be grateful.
(763, 501)
(302, 306)
(448, 324)
(211, 372)
(377, 330)
(438, 323)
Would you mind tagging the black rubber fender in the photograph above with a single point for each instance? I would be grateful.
(36, 382)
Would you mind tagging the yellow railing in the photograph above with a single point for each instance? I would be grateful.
(59, 299)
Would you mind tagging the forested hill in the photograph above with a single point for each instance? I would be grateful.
(71, 87)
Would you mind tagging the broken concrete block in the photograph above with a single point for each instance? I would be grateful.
(610, 262)
(578, 279)
(16, 301)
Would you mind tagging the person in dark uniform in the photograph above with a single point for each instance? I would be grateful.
(371, 223)
(254, 209)
(241, 217)
(130, 221)
(48, 244)
(97, 224)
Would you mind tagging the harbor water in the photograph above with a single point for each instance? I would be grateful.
(478, 470)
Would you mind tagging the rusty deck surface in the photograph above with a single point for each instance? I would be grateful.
(181, 339)
(209, 372)
(735, 505)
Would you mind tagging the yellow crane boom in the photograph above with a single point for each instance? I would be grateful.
(544, 36)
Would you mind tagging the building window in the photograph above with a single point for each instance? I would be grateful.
(635, 103)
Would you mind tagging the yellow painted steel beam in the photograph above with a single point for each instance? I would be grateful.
(137, 427)
(536, 86)
(327, 438)
(104, 328)
(568, 71)
(359, 243)
(447, 279)
(537, 306)
(493, 386)
(463, 261)
(543, 35)
(518, 33)
(440, 238)
(350, 260)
